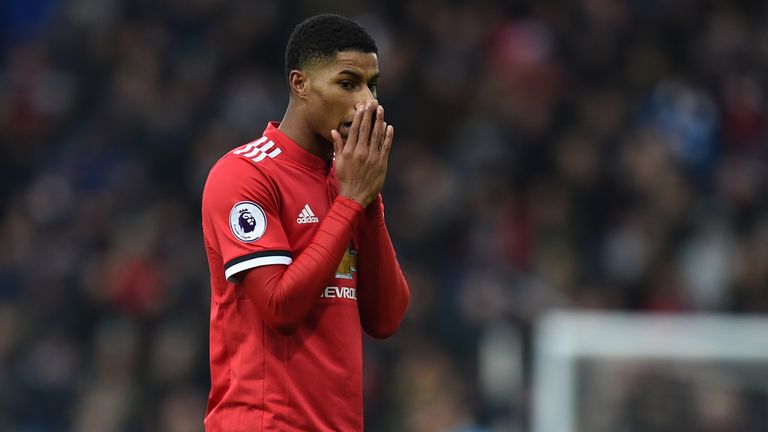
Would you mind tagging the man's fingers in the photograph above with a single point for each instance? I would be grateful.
(383, 135)
(387, 145)
(378, 132)
(354, 130)
(338, 143)
(363, 137)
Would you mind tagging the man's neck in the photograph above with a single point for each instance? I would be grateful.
(294, 125)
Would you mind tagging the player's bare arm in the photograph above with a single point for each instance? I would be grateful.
(361, 161)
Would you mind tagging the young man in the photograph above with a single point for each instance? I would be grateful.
(299, 254)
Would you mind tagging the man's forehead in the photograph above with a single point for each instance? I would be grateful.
(366, 64)
(355, 56)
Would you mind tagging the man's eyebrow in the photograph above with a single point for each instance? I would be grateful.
(357, 75)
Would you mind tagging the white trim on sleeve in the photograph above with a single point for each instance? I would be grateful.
(232, 271)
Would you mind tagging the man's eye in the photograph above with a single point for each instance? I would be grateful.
(347, 85)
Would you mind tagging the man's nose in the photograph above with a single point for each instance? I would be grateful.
(365, 96)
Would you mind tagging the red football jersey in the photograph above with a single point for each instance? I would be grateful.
(262, 204)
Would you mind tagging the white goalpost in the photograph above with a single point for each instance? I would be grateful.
(597, 372)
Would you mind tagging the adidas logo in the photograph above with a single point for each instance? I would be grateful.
(306, 216)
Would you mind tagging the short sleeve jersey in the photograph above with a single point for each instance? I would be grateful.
(262, 204)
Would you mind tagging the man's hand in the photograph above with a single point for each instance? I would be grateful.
(361, 162)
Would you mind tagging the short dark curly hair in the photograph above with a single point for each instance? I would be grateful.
(320, 37)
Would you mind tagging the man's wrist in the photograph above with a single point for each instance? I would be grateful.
(362, 201)
(350, 203)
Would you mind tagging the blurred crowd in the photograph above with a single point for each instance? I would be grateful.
(588, 154)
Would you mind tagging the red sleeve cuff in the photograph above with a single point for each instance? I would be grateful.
(349, 203)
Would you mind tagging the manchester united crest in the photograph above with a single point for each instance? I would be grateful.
(348, 264)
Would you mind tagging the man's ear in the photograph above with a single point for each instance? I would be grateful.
(299, 83)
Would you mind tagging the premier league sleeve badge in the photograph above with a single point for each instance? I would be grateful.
(247, 221)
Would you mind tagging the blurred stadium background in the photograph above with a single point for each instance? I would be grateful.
(589, 155)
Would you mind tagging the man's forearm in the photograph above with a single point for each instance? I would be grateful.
(284, 296)
(383, 292)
